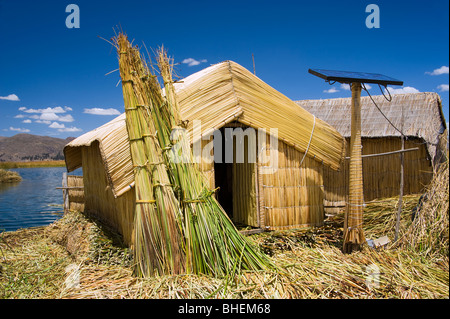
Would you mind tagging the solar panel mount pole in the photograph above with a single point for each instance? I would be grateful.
(353, 231)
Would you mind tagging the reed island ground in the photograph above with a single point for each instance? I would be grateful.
(77, 257)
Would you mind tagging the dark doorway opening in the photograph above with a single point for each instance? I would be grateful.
(236, 180)
(223, 176)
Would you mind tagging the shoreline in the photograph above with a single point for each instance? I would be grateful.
(8, 165)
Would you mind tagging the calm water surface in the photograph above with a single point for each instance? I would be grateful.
(34, 201)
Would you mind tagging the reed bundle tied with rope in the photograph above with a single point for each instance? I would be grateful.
(158, 242)
(179, 226)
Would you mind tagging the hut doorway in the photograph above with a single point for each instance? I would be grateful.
(236, 179)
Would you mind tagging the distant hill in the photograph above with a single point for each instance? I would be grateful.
(28, 147)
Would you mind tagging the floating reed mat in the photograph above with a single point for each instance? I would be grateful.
(179, 225)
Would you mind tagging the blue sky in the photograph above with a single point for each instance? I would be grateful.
(53, 82)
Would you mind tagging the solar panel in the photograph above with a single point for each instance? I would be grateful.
(350, 77)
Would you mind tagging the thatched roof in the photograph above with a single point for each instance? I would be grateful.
(423, 116)
(217, 95)
(114, 148)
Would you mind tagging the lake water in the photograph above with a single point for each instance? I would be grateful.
(34, 201)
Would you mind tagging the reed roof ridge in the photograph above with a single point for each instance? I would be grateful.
(232, 84)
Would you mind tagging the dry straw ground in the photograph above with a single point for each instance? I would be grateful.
(310, 261)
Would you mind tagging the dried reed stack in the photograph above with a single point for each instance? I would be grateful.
(210, 242)
(429, 231)
(158, 243)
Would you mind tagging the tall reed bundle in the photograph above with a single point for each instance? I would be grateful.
(210, 243)
(158, 243)
(213, 245)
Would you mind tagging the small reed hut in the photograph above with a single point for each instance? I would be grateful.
(285, 190)
(423, 125)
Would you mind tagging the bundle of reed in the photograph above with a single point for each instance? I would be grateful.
(213, 244)
(429, 231)
(158, 245)
(380, 216)
(210, 242)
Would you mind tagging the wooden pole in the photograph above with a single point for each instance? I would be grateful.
(400, 198)
(388, 153)
(353, 232)
(65, 192)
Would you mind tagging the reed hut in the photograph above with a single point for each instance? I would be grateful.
(285, 190)
(423, 125)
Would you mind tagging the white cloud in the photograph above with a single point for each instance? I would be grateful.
(11, 97)
(19, 116)
(26, 121)
(62, 128)
(56, 125)
(66, 118)
(193, 62)
(57, 109)
(42, 122)
(100, 111)
(21, 130)
(443, 87)
(49, 117)
(442, 70)
(403, 90)
(332, 90)
(346, 86)
(70, 129)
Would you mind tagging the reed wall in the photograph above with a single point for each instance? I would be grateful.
(118, 212)
(76, 195)
(206, 166)
(381, 174)
(291, 196)
(245, 210)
